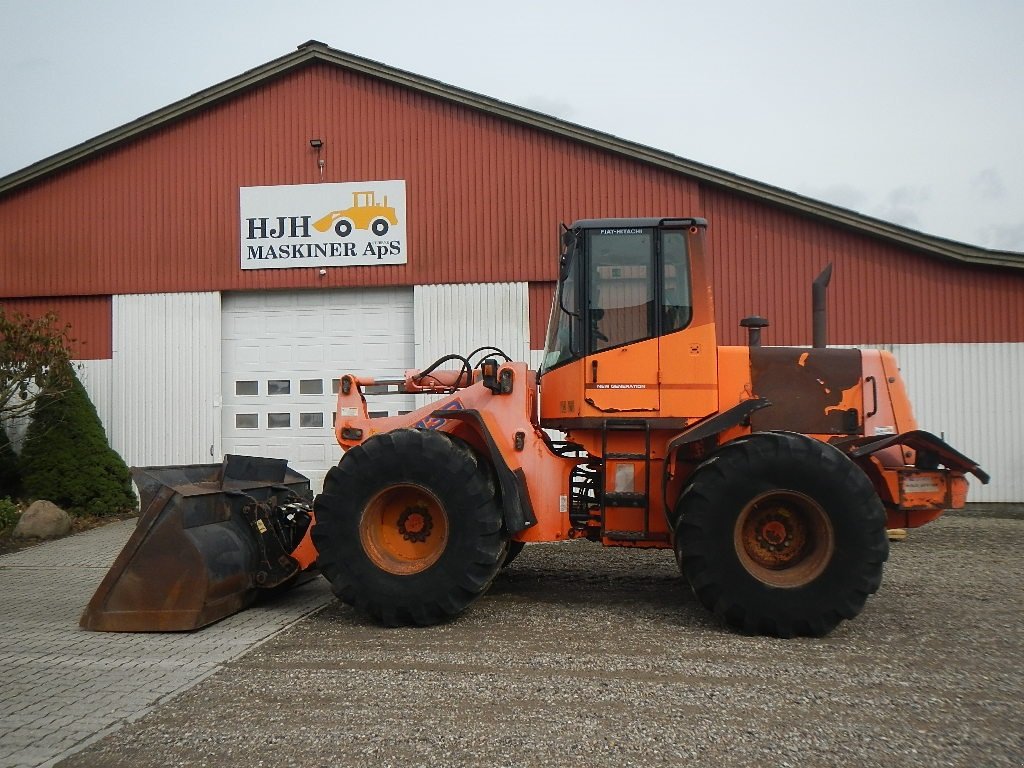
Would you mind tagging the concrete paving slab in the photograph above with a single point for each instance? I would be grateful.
(61, 688)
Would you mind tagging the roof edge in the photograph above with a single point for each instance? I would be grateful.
(315, 50)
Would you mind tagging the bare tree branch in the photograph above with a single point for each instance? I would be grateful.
(33, 352)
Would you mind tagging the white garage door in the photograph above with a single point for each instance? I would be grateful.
(283, 353)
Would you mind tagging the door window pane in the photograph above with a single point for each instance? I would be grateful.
(279, 387)
(620, 304)
(311, 386)
(311, 419)
(247, 387)
(279, 420)
(247, 421)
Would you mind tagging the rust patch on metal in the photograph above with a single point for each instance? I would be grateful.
(813, 391)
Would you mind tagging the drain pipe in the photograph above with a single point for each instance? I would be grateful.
(819, 317)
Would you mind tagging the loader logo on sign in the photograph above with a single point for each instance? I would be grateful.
(365, 213)
(323, 225)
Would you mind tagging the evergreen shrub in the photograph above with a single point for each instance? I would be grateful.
(66, 458)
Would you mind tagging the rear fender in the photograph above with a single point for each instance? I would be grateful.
(915, 495)
(932, 451)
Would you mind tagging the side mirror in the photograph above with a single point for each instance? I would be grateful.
(568, 239)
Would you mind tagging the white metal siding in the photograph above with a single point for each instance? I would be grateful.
(968, 393)
(461, 317)
(166, 378)
(458, 318)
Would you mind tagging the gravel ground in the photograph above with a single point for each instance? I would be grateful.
(580, 656)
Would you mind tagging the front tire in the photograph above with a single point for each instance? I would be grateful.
(780, 534)
(408, 528)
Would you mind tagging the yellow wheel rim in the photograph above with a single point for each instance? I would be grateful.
(404, 529)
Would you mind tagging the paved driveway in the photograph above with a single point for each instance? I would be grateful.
(591, 658)
(62, 688)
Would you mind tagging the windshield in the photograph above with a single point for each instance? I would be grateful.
(563, 334)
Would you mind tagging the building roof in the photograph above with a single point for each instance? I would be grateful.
(316, 52)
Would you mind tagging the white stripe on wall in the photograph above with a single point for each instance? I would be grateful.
(166, 378)
(458, 318)
(967, 393)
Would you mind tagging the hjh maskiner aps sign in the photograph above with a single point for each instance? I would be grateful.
(323, 225)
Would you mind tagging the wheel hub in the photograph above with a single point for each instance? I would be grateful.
(415, 523)
(784, 538)
(774, 537)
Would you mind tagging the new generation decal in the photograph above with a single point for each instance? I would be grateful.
(323, 225)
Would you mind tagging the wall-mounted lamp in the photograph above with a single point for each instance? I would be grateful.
(318, 144)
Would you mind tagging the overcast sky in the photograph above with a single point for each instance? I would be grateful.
(910, 111)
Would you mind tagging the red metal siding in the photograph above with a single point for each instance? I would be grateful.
(160, 213)
(764, 259)
(90, 318)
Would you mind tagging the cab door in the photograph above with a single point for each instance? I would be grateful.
(621, 363)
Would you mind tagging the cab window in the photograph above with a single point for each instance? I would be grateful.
(676, 301)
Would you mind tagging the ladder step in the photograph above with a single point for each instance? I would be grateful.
(635, 536)
(626, 500)
(626, 425)
(630, 456)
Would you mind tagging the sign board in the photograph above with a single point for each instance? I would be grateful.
(323, 225)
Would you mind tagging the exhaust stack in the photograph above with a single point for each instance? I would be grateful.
(819, 316)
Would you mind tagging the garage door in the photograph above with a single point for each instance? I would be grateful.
(283, 353)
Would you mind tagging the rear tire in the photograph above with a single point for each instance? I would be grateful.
(780, 534)
(408, 528)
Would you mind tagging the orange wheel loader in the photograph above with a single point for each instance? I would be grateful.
(773, 472)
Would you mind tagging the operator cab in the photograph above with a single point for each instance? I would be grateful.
(620, 301)
(624, 287)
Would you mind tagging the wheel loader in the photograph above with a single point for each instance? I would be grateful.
(772, 472)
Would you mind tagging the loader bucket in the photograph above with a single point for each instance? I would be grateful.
(194, 555)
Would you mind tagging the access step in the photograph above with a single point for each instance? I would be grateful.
(635, 536)
(622, 499)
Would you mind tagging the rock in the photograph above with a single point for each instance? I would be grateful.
(897, 534)
(42, 520)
